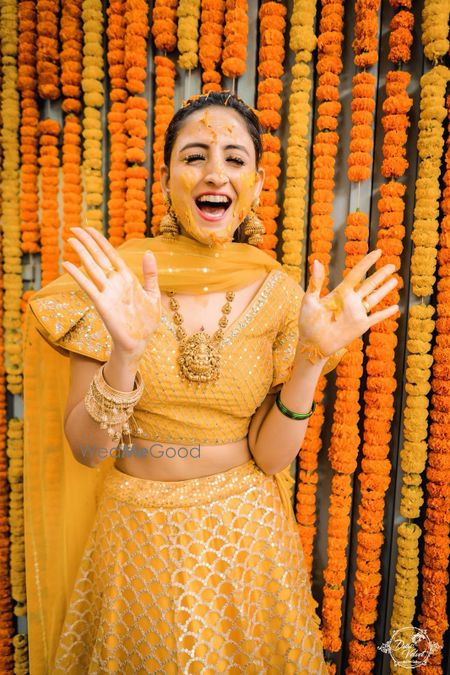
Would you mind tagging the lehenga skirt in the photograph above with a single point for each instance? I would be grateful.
(204, 575)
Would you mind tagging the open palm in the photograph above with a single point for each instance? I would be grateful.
(332, 321)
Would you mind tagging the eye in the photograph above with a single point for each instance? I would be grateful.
(236, 160)
(193, 158)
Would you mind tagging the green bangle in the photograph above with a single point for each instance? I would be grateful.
(290, 413)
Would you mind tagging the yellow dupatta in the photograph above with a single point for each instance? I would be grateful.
(61, 494)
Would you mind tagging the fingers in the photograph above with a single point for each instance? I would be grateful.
(149, 272)
(374, 298)
(371, 283)
(316, 279)
(83, 281)
(91, 245)
(113, 258)
(94, 270)
(361, 268)
(383, 314)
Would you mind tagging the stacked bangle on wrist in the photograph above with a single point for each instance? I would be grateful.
(290, 413)
(111, 407)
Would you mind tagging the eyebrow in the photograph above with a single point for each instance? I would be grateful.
(205, 146)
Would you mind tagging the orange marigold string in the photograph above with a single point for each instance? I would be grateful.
(137, 29)
(48, 49)
(164, 25)
(164, 109)
(212, 21)
(115, 32)
(268, 104)
(365, 43)
(329, 67)
(71, 36)
(234, 54)
(436, 553)
(49, 131)
(27, 85)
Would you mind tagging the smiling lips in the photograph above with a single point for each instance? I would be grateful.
(212, 206)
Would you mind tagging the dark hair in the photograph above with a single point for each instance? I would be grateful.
(217, 98)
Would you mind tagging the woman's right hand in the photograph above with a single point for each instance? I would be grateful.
(131, 313)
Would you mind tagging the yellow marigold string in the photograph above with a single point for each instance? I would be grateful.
(329, 67)
(27, 85)
(212, 21)
(14, 451)
(71, 36)
(136, 107)
(430, 146)
(272, 25)
(436, 552)
(435, 19)
(20, 644)
(188, 13)
(48, 49)
(234, 54)
(93, 88)
(9, 190)
(302, 41)
(115, 32)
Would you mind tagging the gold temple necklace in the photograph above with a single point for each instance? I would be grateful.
(199, 355)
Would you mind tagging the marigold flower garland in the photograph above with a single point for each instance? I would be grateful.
(272, 25)
(7, 21)
(136, 106)
(234, 55)
(365, 43)
(164, 21)
(430, 147)
(9, 187)
(48, 49)
(436, 553)
(210, 45)
(93, 89)
(27, 85)
(329, 67)
(14, 451)
(302, 41)
(49, 131)
(164, 108)
(435, 18)
(188, 13)
(115, 32)
(71, 37)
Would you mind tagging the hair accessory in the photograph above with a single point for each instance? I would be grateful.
(111, 407)
(169, 227)
(290, 413)
(253, 227)
(199, 354)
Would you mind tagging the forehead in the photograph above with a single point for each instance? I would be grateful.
(214, 124)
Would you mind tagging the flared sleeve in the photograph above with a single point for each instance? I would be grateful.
(69, 322)
(285, 344)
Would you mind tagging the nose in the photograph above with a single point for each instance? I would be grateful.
(216, 175)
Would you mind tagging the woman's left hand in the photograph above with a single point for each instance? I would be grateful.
(328, 323)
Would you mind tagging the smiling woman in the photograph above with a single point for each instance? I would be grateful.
(192, 563)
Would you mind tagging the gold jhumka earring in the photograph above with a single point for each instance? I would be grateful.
(168, 227)
(253, 227)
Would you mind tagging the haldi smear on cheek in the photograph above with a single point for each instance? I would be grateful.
(242, 205)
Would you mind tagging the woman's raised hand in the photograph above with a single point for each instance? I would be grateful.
(328, 323)
(130, 312)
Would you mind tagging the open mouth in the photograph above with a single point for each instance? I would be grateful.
(213, 206)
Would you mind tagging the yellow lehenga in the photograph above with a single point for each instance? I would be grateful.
(129, 575)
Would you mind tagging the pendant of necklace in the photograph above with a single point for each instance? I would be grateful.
(199, 354)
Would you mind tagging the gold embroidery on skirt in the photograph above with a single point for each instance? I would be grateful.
(203, 576)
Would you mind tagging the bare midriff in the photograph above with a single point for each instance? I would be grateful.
(172, 461)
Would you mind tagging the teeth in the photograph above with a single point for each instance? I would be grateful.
(218, 199)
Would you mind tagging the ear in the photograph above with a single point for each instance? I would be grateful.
(164, 179)
(260, 175)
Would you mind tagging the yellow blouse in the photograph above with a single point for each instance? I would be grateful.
(256, 355)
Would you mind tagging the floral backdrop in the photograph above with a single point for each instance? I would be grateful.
(87, 90)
